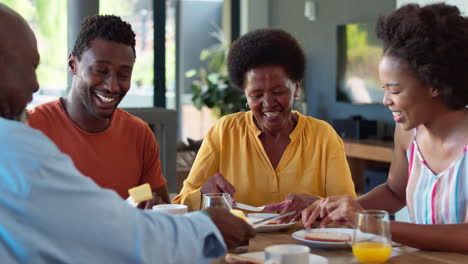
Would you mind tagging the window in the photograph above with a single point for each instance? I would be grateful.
(140, 15)
(170, 64)
(197, 20)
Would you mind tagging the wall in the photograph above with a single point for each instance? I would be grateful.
(197, 19)
(254, 14)
(318, 39)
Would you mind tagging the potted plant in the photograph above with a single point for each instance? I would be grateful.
(212, 87)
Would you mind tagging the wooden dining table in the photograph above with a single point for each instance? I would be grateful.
(400, 254)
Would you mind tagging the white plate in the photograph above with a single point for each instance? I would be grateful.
(254, 217)
(313, 259)
(299, 235)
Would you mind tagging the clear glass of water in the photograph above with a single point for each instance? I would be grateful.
(216, 200)
(223, 200)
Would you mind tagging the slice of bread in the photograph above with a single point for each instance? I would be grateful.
(328, 236)
(141, 193)
(232, 258)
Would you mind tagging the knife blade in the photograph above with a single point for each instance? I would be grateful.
(248, 207)
(267, 220)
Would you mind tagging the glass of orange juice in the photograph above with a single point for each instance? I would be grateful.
(372, 241)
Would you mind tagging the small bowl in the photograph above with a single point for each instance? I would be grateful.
(173, 209)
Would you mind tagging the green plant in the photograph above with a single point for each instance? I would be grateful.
(212, 88)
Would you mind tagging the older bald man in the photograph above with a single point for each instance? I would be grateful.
(50, 213)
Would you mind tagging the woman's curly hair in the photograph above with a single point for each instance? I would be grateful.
(434, 41)
(108, 27)
(265, 47)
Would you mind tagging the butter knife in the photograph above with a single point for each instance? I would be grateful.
(269, 219)
(248, 207)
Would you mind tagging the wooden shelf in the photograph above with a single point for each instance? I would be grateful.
(368, 149)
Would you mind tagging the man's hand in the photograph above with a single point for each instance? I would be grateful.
(218, 184)
(152, 202)
(339, 209)
(293, 202)
(234, 230)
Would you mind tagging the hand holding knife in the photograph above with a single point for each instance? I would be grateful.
(267, 220)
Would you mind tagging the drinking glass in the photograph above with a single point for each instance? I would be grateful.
(223, 200)
(217, 200)
(372, 241)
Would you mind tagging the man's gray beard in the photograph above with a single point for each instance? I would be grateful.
(23, 117)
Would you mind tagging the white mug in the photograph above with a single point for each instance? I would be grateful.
(173, 209)
(287, 253)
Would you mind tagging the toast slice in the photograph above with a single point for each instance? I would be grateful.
(141, 193)
(232, 258)
(328, 236)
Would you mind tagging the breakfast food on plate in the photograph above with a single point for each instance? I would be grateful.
(232, 258)
(328, 236)
(141, 193)
(239, 214)
(330, 225)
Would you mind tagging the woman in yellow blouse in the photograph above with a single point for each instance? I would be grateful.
(271, 154)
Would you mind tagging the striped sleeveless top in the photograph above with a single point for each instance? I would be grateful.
(436, 198)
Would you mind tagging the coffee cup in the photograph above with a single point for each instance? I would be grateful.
(173, 209)
(287, 253)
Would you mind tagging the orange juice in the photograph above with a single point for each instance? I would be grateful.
(372, 252)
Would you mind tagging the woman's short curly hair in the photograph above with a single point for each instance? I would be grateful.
(265, 47)
(107, 27)
(434, 41)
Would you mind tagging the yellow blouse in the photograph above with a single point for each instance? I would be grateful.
(314, 162)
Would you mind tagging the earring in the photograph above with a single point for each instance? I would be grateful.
(247, 105)
(296, 98)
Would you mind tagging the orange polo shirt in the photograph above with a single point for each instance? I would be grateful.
(123, 156)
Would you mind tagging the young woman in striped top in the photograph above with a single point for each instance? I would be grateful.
(424, 72)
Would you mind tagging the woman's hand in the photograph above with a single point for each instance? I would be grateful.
(218, 184)
(293, 202)
(339, 209)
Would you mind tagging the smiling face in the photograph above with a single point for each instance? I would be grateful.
(270, 94)
(406, 95)
(102, 77)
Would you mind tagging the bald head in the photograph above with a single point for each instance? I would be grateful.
(10, 22)
(18, 62)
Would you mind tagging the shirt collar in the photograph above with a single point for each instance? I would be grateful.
(294, 134)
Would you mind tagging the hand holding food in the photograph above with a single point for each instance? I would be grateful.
(151, 202)
(234, 230)
(239, 214)
(139, 194)
(142, 197)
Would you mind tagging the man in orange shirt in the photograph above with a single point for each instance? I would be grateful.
(117, 150)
